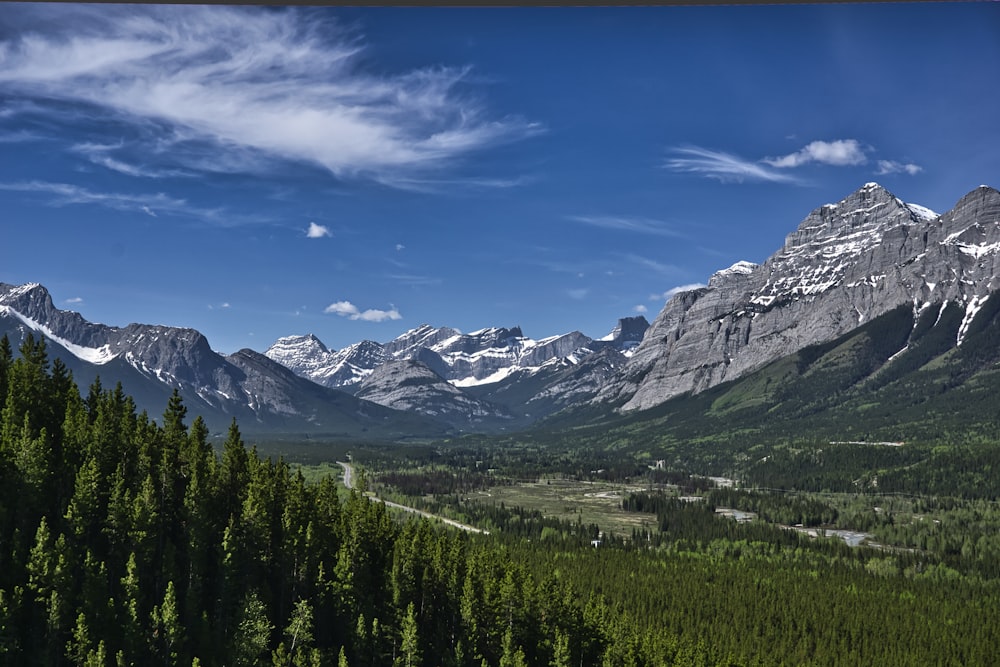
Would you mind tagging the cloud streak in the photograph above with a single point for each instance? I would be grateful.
(638, 225)
(650, 264)
(725, 167)
(64, 194)
(248, 84)
(352, 312)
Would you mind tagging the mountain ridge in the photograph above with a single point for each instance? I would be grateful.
(846, 264)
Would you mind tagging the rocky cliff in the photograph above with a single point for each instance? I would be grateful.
(846, 264)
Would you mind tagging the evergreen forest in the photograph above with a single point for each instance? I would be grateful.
(130, 539)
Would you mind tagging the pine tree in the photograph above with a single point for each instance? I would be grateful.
(167, 628)
(410, 640)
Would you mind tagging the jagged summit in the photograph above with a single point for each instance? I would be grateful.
(846, 264)
(628, 333)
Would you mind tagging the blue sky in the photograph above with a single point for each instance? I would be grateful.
(355, 172)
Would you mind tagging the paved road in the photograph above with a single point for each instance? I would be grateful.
(349, 483)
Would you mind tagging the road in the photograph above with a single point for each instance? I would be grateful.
(349, 483)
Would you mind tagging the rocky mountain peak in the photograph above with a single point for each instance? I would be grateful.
(846, 264)
(307, 342)
(423, 336)
(981, 205)
(857, 217)
(628, 330)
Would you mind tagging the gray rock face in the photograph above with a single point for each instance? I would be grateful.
(308, 357)
(487, 355)
(409, 385)
(171, 354)
(627, 335)
(151, 360)
(846, 263)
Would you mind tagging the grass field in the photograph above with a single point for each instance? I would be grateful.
(590, 502)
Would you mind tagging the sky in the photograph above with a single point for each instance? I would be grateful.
(258, 172)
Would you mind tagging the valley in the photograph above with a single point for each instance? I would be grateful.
(739, 482)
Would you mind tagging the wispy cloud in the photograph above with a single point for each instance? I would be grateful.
(725, 167)
(640, 309)
(66, 193)
(73, 301)
(414, 280)
(638, 225)
(453, 186)
(579, 293)
(99, 154)
(247, 84)
(352, 312)
(316, 231)
(666, 296)
(650, 264)
(839, 153)
(21, 136)
(63, 194)
(893, 167)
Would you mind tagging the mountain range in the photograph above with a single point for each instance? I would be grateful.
(847, 266)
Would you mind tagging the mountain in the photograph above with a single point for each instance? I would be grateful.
(150, 361)
(410, 385)
(498, 379)
(891, 286)
(483, 356)
(898, 378)
(847, 264)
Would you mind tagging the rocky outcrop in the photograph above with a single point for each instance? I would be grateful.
(406, 384)
(847, 263)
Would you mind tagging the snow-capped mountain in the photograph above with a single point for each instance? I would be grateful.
(846, 264)
(407, 384)
(481, 357)
(150, 361)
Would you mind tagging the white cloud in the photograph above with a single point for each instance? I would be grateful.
(73, 300)
(352, 312)
(233, 88)
(723, 166)
(626, 224)
(666, 296)
(400, 247)
(839, 153)
(640, 309)
(317, 231)
(578, 294)
(893, 167)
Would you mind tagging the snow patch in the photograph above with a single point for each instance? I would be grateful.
(974, 306)
(99, 355)
(489, 379)
(740, 268)
(921, 212)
